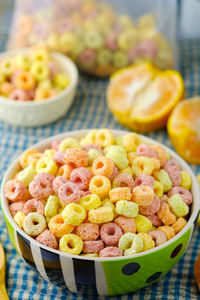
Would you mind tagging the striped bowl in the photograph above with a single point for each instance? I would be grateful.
(105, 276)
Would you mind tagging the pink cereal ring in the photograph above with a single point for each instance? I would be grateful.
(93, 246)
(58, 181)
(144, 150)
(175, 176)
(69, 192)
(33, 205)
(114, 173)
(53, 67)
(20, 95)
(59, 157)
(16, 206)
(152, 208)
(111, 252)
(81, 176)
(158, 236)
(88, 231)
(41, 186)
(155, 220)
(171, 163)
(48, 239)
(185, 194)
(15, 190)
(126, 224)
(124, 180)
(55, 145)
(144, 179)
(76, 157)
(91, 146)
(111, 42)
(164, 199)
(110, 233)
(85, 193)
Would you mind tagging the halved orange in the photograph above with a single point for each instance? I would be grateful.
(184, 129)
(141, 97)
(197, 270)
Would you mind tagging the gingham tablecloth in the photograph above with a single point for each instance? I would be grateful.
(89, 110)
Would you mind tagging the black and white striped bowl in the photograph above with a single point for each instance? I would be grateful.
(105, 276)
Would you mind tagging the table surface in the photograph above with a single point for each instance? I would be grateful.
(89, 110)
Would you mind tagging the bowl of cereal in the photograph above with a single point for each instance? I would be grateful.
(37, 87)
(100, 208)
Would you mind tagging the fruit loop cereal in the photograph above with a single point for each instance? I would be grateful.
(99, 37)
(109, 205)
(29, 77)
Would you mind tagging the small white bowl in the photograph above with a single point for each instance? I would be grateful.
(31, 113)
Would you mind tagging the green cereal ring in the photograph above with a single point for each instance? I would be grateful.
(178, 206)
(130, 243)
(120, 59)
(118, 157)
(34, 224)
(69, 143)
(27, 174)
(93, 39)
(104, 57)
(127, 208)
(51, 208)
(163, 177)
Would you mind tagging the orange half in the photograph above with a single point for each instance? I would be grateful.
(141, 97)
(184, 129)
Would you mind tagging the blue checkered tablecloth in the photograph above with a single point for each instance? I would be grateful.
(89, 110)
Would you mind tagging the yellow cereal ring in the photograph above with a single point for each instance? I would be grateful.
(186, 181)
(107, 203)
(34, 224)
(143, 224)
(100, 215)
(69, 143)
(51, 207)
(131, 141)
(127, 170)
(23, 160)
(71, 244)
(158, 188)
(142, 164)
(104, 138)
(121, 148)
(100, 185)
(19, 218)
(74, 214)
(148, 242)
(46, 165)
(49, 153)
(91, 201)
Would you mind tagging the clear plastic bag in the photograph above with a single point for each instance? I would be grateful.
(100, 36)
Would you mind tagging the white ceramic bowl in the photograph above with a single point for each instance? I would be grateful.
(31, 113)
(104, 275)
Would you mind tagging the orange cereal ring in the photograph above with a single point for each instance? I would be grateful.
(65, 171)
(23, 160)
(179, 225)
(120, 193)
(88, 231)
(143, 195)
(59, 227)
(126, 224)
(103, 165)
(76, 157)
(168, 231)
(24, 80)
(161, 152)
(131, 156)
(164, 213)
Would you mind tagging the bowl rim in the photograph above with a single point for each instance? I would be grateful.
(78, 134)
(65, 60)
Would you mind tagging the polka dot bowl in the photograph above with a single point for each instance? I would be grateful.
(31, 113)
(105, 276)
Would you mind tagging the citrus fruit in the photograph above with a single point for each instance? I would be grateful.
(141, 97)
(184, 129)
